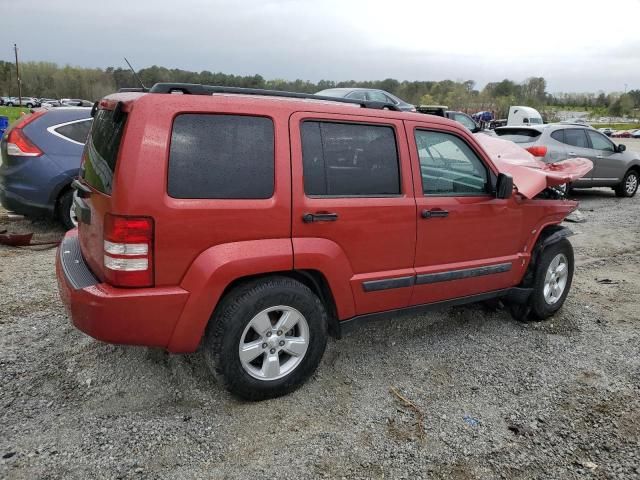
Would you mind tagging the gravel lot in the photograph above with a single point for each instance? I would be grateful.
(499, 398)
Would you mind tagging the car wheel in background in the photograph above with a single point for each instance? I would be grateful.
(629, 185)
(10, 104)
(552, 281)
(266, 338)
(66, 212)
(29, 105)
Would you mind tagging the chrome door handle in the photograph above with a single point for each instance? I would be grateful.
(572, 153)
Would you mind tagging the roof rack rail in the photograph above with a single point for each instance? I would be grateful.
(199, 89)
(132, 89)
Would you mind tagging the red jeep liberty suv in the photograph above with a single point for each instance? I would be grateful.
(255, 223)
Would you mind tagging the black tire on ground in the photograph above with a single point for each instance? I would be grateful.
(29, 105)
(9, 104)
(233, 314)
(540, 307)
(64, 210)
(624, 190)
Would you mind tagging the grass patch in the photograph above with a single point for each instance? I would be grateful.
(12, 112)
(616, 126)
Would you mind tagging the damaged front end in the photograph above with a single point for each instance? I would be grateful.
(532, 177)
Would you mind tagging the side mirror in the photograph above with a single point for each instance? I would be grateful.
(504, 186)
(621, 148)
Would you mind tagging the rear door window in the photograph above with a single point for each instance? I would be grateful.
(101, 150)
(348, 159)
(576, 137)
(221, 156)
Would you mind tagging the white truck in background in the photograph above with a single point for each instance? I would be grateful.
(519, 115)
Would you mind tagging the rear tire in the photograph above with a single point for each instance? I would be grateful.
(64, 213)
(629, 185)
(552, 281)
(249, 319)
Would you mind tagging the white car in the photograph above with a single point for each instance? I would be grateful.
(28, 102)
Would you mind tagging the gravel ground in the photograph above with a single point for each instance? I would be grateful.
(497, 398)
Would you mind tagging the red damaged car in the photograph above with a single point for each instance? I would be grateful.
(253, 224)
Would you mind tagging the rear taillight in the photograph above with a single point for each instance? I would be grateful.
(537, 150)
(19, 145)
(128, 251)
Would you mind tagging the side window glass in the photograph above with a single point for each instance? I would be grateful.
(378, 97)
(357, 95)
(449, 166)
(558, 135)
(77, 131)
(576, 137)
(346, 159)
(600, 142)
(221, 156)
(466, 121)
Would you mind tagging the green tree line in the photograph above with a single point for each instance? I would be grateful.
(48, 80)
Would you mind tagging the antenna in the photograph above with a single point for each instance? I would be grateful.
(135, 74)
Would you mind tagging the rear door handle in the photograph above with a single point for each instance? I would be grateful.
(572, 153)
(436, 212)
(319, 217)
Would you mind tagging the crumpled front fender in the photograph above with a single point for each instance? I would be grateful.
(530, 175)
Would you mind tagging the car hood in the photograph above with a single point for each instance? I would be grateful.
(530, 175)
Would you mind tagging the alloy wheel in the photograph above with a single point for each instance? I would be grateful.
(274, 342)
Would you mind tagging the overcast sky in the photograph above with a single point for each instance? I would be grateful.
(575, 45)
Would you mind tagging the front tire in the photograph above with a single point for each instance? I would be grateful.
(629, 185)
(552, 281)
(266, 338)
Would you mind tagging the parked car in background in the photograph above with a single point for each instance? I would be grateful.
(613, 165)
(443, 111)
(252, 229)
(40, 158)
(607, 131)
(49, 102)
(75, 102)
(368, 94)
(29, 102)
(621, 134)
(636, 134)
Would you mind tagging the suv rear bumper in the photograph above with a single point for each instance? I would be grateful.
(136, 316)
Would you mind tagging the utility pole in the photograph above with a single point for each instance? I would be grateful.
(15, 48)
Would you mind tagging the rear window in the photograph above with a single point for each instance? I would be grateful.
(101, 149)
(518, 135)
(221, 156)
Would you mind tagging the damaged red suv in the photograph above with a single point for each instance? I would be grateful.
(253, 224)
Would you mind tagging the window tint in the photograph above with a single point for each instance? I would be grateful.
(101, 150)
(600, 142)
(77, 131)
(449, 166)
(378, 97)
(576, 137)
(358, 95)
(345, 159)
(464, 120)
(558, 135)
(221, 156)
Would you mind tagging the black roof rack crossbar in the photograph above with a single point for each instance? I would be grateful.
(198, 89)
